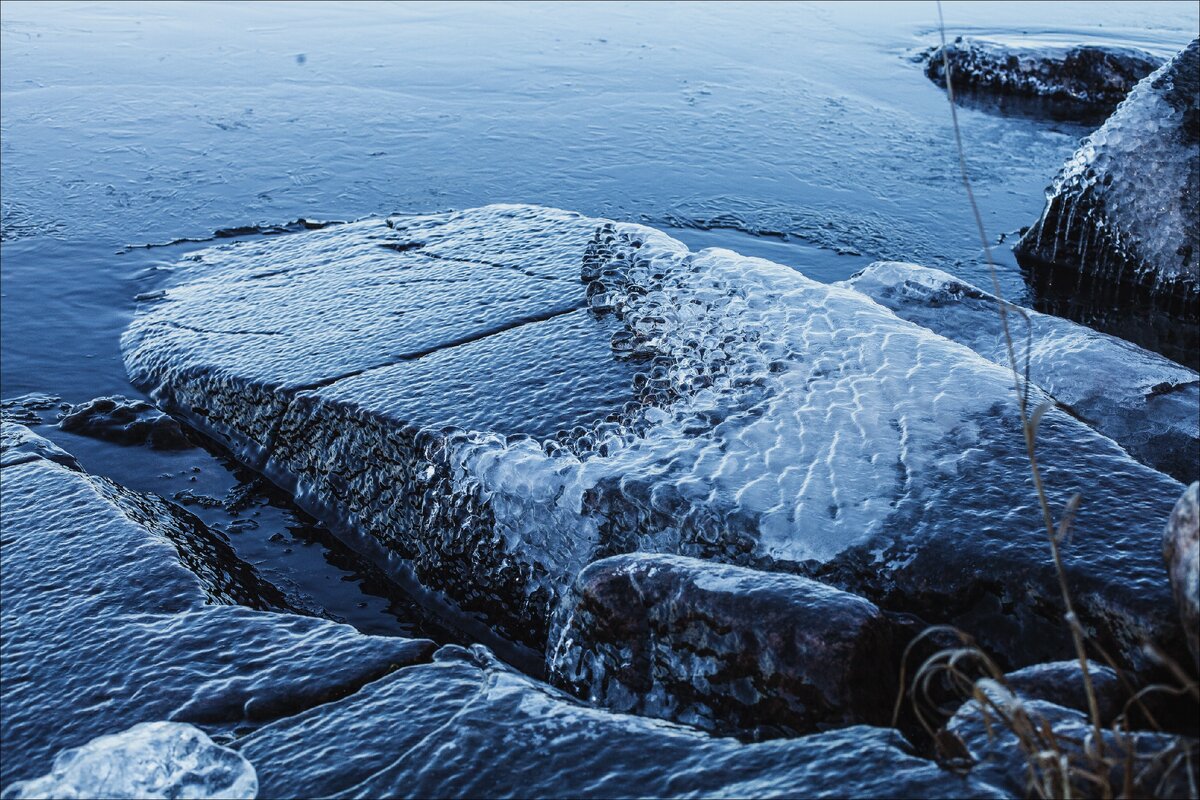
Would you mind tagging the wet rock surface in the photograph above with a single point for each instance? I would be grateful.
(724, 648)
(125, 421)
(117, 609)
(1061, 683)
(770, 421)
(1181, 551)
(468, 726)
(19, 445)
(1147, 403)
(1120, 221)
(1081, 82)
(1155, 764)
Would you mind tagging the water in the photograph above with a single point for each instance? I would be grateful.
(798, 132)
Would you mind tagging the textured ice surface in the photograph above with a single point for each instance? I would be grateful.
(724, 648)
(19, 445)
(1081, 80)
(1149, 404)
(771, 421)
(150, 760)
(1123, 209)
(468, 726)
(115, 611)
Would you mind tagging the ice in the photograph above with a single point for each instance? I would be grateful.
(704, 404)
(1149, 404)
(150, 760)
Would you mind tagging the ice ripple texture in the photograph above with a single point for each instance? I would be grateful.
(151, 760)
(746, 414)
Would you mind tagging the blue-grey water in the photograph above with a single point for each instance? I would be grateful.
(799, 132)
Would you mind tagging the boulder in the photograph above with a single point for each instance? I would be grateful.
(1181, 551)
(493, 399)
(1146, 402)
(1163, 764)
(1080, 81)
(153, 760)
(723, 648)
(118, 609)
(468, 726)
(1061, 683)
(125, 421)
(1120, 224)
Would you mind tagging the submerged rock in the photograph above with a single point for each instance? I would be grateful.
(1149, 404)
(1120, 220)
(1181, 550)
(468, 726)
(501, 396)
(125, 421)
(1086, 81)
(723, 648)
(151, 760)
(105, 627)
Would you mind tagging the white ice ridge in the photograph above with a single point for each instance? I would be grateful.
(1146, 402)
(150, 760)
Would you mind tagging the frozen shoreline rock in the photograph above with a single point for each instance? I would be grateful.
(724, 648)
(1149, 404)
(496, 398)
(125, 421)
(1120, 219)
(117, 610)
(105, 629)
(1085, 81)
(1181, 551)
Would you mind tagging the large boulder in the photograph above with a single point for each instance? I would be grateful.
(724, 648)
(1148, 403)
(496, 398)
(1079, 81)
(1120, 221)
(118, 609)
(1181, 550)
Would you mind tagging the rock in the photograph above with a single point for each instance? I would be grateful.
(1061, 683)
(468, 726)
(1144, 401)
(496, 398)
(105, 627)
(723, 648)
(125, 421)
(1081, 81)
(153, 760)
(1120, 220)
(19, 445)
(26, 409)
(1163, 763)
(1181, 551)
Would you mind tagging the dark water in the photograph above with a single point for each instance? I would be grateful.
(799, 132)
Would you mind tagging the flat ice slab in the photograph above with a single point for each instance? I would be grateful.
(495, 398)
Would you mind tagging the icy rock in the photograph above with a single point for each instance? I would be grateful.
(1080, 81)
(116, 610)
(1160, 761)
(27, 408)
(468, 726)
(1181, 550)
(723, 648)
(1149, 404)
(1061, 683)
(151, 760)
(447, 391)
(19, 445)
(125, 421)
(1120, 217)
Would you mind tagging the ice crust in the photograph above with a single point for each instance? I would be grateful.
(1149, 404)
(773, 422)
(1123, 209)
(151, 760)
